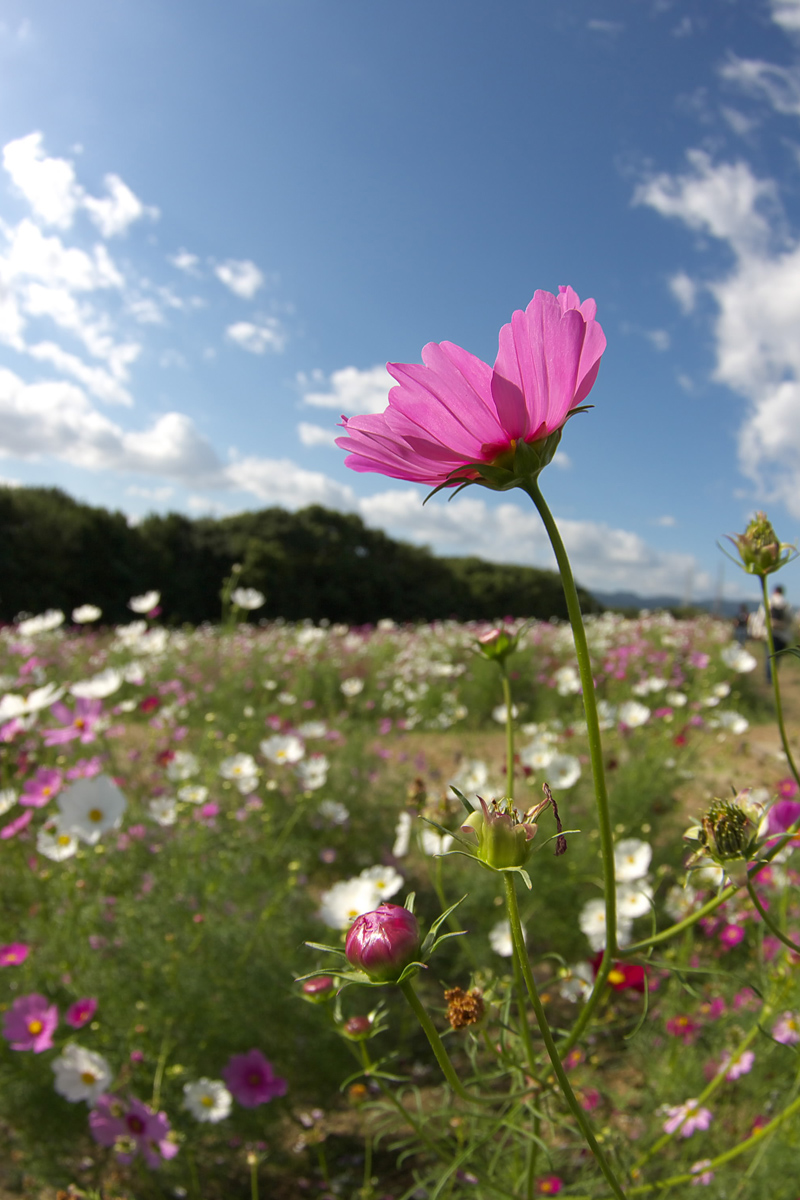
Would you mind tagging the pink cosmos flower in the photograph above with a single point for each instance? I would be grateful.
(78, 724)
(251, 1080)
(80, 1012)
(786, 788)
(738, 1065)
(17, 825)
(731, 936)
(686, 1118)
(44, 785)
(683, 1027)
(701, 1171)
(457, 414)
(132, 1128)
(787, 1030)
(13, 954)
(30, 1023)
(549, 1185)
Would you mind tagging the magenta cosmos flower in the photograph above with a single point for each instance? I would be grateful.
(132, 1128)
(80, 1012)
(251, 1080)
(456, 420)
(13, 954)
(30, 1023)
(382, 943)
(79, 724)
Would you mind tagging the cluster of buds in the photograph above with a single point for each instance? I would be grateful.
(758, 547)
(728, 835)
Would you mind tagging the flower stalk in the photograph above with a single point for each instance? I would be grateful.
(776, 688)
(437, 1045)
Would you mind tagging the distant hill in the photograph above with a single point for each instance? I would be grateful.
(630, 600)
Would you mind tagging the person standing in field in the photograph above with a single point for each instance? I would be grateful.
(781, 619)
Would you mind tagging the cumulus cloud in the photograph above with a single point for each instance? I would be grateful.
(758, 309)
(268, 334)
(658, 338)
(684, 290)
(186, 262)
(280, 481)
(787, 14)
(317, 435)
(349, 390)
(779, 86)
(242, 277)
(51, 188)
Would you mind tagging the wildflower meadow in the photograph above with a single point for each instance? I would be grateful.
(490, 909)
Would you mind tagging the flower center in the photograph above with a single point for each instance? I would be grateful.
(207, 1101)
(95, 814)
(616, 976)
(254, 1078)
(64, 839)
(135, 1124)
(35, 1026)
(88, 1077)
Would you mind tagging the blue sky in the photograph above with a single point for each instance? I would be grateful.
(218, 222)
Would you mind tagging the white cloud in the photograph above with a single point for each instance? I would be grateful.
(738, 122)
(758, 301)
(33, 255)
(269, 334)
(723, 200)
(53, 192)
(665, 522)
(613, 28)
(659, 338)
(602, 557)
(186, 262)
(280, 481)
(119, 209)
(159, 494)
(317, 435)
(97, 380)
(779, 86)
(562, 460)
(787, 14)
(684, 290)
(350, 391)
(243, 278)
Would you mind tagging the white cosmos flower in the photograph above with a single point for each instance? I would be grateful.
(722, 689)
(645, 686)
(312, 729)
(537, 755)
(563, 771)
(676, 699)
(207, 1100)
(81, 1074)
(385, 880)
(334, 811)
(85, 613)
(43, 623)
(56, 843)
(43, 697)
(283, 750)
(631, 859)
(8, 798)
(351, 687)
(679, 901)
(11, 706)
(239, 766)
(733, 721)
(592, 922)
(633, 714)
(607, 714)
(163, 810)
(248, 598)
(567, 681)
(472, 775)
(90, 807)
(633, 900)
(500, 713)
(402, 835)
(99, 686)
(737, 658)
(500, 938)
(182, 766)
(313, 772)
(432, 842)
(576, 985)
(346, 900)
(144, 603)
(193, 793)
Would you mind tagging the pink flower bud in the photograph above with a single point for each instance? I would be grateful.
(382, 943)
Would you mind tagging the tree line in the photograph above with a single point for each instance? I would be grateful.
(56, 552)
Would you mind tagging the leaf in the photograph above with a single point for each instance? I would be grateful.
(447, 833)
(326, 949)
(463, 799)
(409, 904)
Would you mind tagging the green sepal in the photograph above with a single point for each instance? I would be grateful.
(463, 799)
(448, 832)
(409, 902)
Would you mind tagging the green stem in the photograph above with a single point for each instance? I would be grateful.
(776, 689)
(533, 1158)
(253, 1177)
(592, 730)
(544, 1029)
(367, 1189)
(160, 1065)
(767, 919)
(437, 1045)
(509, 733)
(524, 1027)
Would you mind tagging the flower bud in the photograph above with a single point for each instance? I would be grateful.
(759, 549)
(502, 835)
(319, 989)
(382, 943)
(357, 1028)
(497, 645)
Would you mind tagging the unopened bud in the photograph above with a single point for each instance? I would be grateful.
(497, 644)
(319, 989)
(384, 942)
(759, 549)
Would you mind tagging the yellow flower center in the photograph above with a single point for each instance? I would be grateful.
(64, 839)
(35, 1026)
(88, 1077)
(207, 1101)
(615, 976)
(95, 814)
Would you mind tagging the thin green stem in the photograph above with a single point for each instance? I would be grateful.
(592, 730)
(533, 1158)
(522, 1013)
(544, 1029)
(776, 688)
(253, 1177)
(767, 919)
(509, 733)
(160, 1065)
(437, 1045)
